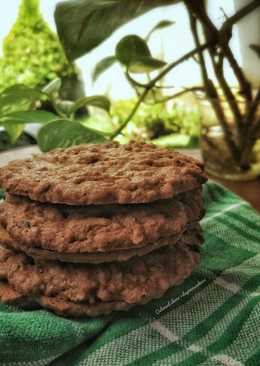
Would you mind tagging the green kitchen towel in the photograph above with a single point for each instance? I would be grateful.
(212, 319)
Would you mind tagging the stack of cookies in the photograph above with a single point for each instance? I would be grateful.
(94, 228)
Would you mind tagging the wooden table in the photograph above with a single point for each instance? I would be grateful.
(250, 191)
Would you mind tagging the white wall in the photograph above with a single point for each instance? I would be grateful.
(249, 33)
(174, 42)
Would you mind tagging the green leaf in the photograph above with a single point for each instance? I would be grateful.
(146, 65)
(256, 48)
(14, 131)
(18, 97)
(65, 133)
(22, 117)
(65, 107)
(102, 66)
(53, 87)
(98, 101)
(159, 26)
(133, 52)
(83, 24)
(130, 49)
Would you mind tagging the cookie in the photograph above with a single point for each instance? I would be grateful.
(94, 258)
(10, 296)
(102, 257)
(133, 282)
(98, 229)
(102, 174)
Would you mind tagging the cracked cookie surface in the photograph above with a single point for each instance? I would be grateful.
(92, 290)
(102, 174)
(193, 232)
(97, 229)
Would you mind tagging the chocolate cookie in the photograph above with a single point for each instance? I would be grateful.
(96, 229)
(133, 282)
(102, 174)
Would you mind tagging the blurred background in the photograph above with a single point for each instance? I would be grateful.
(171, 42)
(43, 92)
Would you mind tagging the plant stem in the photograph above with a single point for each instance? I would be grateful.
(213, 37)
(249, 144)
(243, 125)
(218, 68)
(132, 113)
(253, 110)
(209, 31)
(179, 94)
(153, 82)
(180, 60)
(135, 82)
(253, 122)
(211, 90)
(59, 112)
(240, 14)
(165, 86)
(223, 36)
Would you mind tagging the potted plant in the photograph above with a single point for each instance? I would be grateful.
(230, 148)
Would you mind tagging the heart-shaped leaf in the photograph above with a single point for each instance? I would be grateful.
(14, 131)
(102, 66)
(84, 24)
(131, 49)
(65, 133)
(98, 101)
(18, 97)
(146, 65)
(133, 52)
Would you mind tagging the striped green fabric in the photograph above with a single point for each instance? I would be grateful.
(213, 319)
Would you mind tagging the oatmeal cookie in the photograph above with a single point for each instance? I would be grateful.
(102, 174)
(76, 289)
(98, 229)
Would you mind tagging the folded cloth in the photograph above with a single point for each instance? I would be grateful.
(212, 319)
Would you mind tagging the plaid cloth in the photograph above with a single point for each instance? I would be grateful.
(211, 320)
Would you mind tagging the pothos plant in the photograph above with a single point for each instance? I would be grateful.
(133, 52)
(84, 24)
(20, 105)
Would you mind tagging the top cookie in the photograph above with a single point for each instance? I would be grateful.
(102, 174)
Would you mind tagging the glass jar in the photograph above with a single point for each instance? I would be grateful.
(216, 155)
